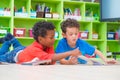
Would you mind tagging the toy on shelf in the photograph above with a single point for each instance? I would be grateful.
(39, 10)
(68, 14)
(96, 17)
(32, 13)
(43, 11)
(89, 14)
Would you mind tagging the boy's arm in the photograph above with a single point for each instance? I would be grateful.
(63, 61)
(60, 56)
(71, 61)
(99, 53)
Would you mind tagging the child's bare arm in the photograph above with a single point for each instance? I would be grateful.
(99, 53)
(63, 61)
(71, 61)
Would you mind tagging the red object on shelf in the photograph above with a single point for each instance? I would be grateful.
(83, 34)
(116, 36)
(30, 33)
(19, 32)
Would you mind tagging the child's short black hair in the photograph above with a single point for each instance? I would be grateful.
(69, 23)
(40, 29)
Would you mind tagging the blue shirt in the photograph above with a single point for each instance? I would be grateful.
(84, 47)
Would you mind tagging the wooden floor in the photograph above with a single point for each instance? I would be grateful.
(59, 72)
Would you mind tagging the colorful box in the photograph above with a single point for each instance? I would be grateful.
(40, 14)
(94, 36)
(1, 11)
(19, 32)
(33, 14)
(55, 15)
(4, 31)
(111, 35)
(48, 15)
(83, 34)
(21, 14)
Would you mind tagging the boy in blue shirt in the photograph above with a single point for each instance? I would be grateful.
(70, 41)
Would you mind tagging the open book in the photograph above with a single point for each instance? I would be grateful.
(4, 63)
(85, 60)
(40, 62)
(36, 61)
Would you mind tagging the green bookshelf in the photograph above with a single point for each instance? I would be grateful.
(88, 10)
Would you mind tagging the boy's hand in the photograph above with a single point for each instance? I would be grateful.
(111, 61)
(73, 60)
(76, 52)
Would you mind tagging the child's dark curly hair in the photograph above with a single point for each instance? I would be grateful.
(41, 28)
(69, 23)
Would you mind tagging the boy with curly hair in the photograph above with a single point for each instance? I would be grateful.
(41, 49)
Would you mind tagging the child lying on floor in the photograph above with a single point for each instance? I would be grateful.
(41, 50)
(70, 41)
